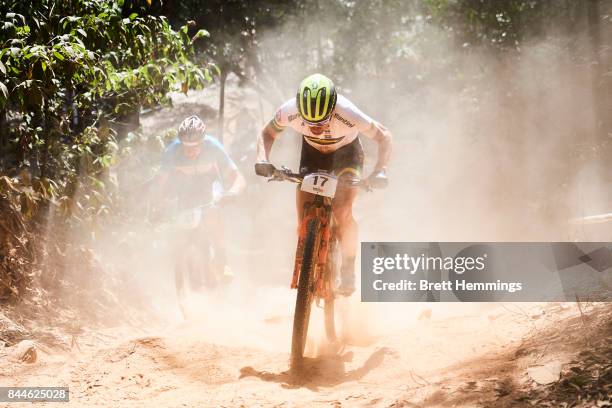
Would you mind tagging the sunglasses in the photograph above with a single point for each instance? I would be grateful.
(318, 124)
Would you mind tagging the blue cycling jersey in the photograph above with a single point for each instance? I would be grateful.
(193, 181)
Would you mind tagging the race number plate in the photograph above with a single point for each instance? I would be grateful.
(320, 183)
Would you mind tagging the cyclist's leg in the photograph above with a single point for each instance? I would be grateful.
(179, 250)
(348, 163)
(347, 231)
(214, 228)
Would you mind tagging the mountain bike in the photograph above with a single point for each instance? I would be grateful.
(194, 269)
(317, 255)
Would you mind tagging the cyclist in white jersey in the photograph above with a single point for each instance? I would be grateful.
(330, 125)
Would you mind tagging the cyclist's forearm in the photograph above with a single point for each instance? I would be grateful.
(264, 143)
(383, 137)
(384, 154)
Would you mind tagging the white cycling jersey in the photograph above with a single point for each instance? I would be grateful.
(344, 126)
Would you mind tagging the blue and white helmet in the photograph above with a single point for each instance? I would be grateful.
(191, 131)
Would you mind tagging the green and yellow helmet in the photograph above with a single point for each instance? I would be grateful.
(316, 99)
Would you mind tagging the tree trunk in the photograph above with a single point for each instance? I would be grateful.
(166, 8)
(45, 154)
(3, 138)
(222, 79)
(593, 17)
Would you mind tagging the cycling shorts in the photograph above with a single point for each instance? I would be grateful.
(346, 161)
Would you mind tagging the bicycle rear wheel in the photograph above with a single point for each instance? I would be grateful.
(305, 293)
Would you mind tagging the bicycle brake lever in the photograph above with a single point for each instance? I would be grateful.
(275, 177)
(280, 174)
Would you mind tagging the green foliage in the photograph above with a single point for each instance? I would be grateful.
(71, 73)
(65, 66)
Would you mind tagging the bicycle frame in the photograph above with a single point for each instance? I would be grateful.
(320, 208)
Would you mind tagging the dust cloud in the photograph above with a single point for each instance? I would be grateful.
(487, 147)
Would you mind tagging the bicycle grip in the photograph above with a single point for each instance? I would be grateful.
(264, 169)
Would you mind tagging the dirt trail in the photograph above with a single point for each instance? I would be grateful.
(233, 349)
(194, 363)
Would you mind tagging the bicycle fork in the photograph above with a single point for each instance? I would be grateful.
(319, 209)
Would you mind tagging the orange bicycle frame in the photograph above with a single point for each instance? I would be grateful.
(320, 209)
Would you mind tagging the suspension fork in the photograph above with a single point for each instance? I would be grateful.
(319, 208)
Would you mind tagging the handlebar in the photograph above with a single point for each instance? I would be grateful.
(286, 174)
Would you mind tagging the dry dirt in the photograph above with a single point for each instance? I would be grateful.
(233, 350)
(452, 355)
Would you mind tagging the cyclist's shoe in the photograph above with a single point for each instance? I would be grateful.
(347, 278)
(346, 288)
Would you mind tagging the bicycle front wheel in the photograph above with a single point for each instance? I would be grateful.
(305, 293)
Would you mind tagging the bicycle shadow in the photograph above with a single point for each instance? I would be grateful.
(323, 371)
